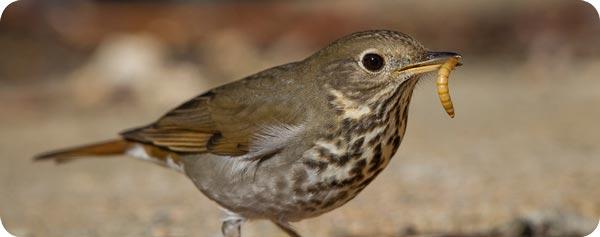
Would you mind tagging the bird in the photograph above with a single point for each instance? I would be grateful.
(291, 142)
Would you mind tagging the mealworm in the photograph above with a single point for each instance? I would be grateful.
(442, 85)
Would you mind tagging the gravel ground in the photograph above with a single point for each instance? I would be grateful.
(522, 149)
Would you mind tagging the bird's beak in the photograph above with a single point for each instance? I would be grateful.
(432, 62)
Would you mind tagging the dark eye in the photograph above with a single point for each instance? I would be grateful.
(373, 62)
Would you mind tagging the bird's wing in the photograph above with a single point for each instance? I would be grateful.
(245, 118)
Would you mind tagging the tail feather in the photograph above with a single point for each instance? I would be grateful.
(112, 147)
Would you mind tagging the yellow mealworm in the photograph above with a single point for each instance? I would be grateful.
(442, 85)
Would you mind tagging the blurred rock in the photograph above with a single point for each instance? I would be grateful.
(231, 54)
(549, 56)
(133, 68)
(544, 224)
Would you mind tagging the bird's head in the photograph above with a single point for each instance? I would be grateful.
(366, 64)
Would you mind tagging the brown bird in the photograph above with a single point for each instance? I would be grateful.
(291, 142)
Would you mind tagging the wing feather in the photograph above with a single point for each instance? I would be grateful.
(237, 119)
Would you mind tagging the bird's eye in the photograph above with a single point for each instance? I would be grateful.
(373, 62)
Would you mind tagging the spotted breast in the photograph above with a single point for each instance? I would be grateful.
(350, 155)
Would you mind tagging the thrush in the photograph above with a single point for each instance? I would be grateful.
(293, 141)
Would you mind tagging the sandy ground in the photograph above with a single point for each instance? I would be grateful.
(523, 145)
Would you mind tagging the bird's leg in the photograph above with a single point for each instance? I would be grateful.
(287, 228)
(231, 227)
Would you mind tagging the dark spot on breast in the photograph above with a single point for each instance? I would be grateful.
(346, 182)
(346, 124)
(376, 160)
(396, 144)
(330, 97)
(373, 125)
(301, 203)
(358, 167)
(326, 154)
(390, 139)
(357, 155)
(313, 164)
(339, 160)
(361, 163)
(341, 195)
(329, 203)
(404, 113)
(342, 160)
(375, 140)
(334, 183)
(399, 101)
(377, 172)
(315, 202)
(352, 180)
(364, 125)
(317, 187)
(366, 182)
(384, 105)
(357, 145)
(348, 136)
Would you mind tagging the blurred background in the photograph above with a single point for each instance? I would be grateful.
(521, 158)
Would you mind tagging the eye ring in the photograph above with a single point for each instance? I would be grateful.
(372, 62)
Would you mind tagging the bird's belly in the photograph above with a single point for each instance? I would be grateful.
(273, 189)
(253, 189)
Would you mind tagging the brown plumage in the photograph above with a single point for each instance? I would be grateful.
(107, 148)
(293, 141)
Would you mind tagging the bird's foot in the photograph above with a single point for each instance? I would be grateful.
(231, 227)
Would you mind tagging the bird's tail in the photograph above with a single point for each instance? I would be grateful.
(107, 148)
